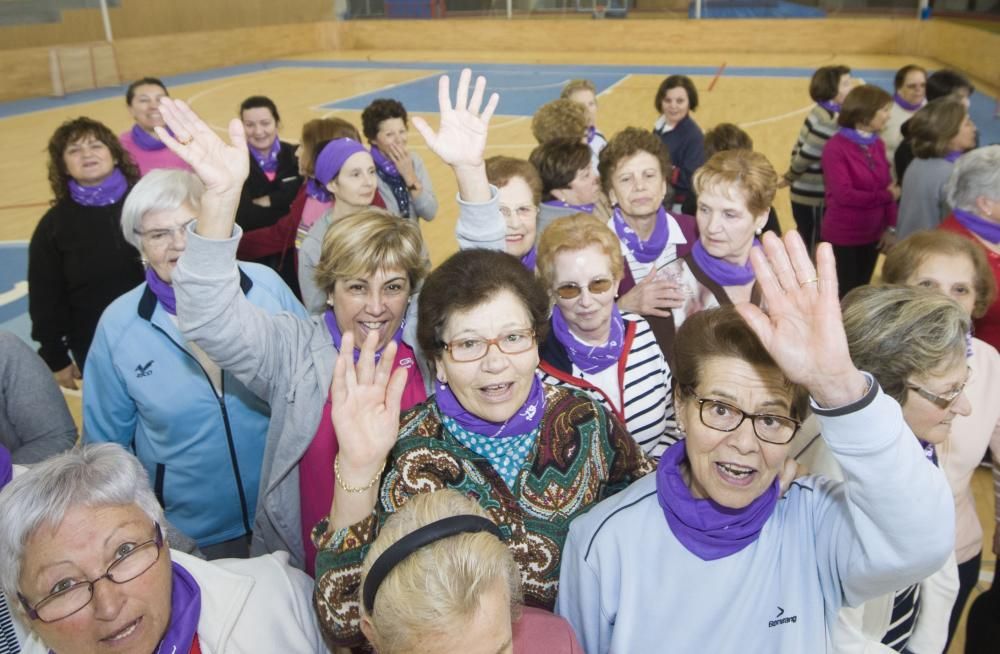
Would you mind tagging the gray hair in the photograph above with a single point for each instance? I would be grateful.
(975, 174)
(96, 475)
(162, 189)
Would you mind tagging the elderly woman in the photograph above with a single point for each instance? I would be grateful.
(828, 88)
(859, 216)
(86, 564)
(957, 267)
(591, 345)
(518, 197)
(570, 184)
(78, 261)
(926, 374)
(202, 443)
(910, 84)
(403, 179)
(274, 178)
(940, 133)
(147, 150)
(532, 455)
(974, 194)
(941, 83)
(676, 98)
(440, 578)
(584, 93)
(743, 382)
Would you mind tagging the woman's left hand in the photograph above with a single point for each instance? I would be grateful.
(803, 329)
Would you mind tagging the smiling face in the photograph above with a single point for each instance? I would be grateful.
(951, 274)
(517, 206)
(494, 387)
(675, 105)
(129, 617)
(584, 189)
(164, 237)
(966, 138)
(390, 132)
(88, 160)
(355, 184)
(725, 225)
(844, 87)
(145, 106)
(375, 302)
(588, 315)
(914, 88)
(733, 468)
(638, 185)
(587, 98)
(928, 421)
(261, 128)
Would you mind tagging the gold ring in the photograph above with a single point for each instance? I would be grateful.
(814, 280)
(186, 142)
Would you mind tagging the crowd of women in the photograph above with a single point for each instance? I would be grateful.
(626, 416)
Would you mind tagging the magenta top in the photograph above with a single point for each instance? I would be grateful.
(859, 206)
(148, 160)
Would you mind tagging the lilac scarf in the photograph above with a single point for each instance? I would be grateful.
(525, 420)
(331, 324)
(389, 174)
(591, 133)
(6, 466)
(145, 140)
(529, 258)
(591, 358)
(185, 611)
(721, 271)
(267, 162)
(953, 156)
(163, 291)
(108, 192)
(643, 251)
(984, 229)
(857, 137)
(582, 208)
(909, 106)
(317, 191)
(831, 106)
(704, 528)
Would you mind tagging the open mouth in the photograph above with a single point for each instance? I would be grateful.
(124, 632)
(372, 325)
(735, 474)
(497, 392)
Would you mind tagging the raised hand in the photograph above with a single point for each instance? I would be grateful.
(461, 137)
(802, 329)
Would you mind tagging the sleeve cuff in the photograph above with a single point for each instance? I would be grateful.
(857, 405)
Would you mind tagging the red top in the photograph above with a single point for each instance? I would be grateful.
(987, 328)
(539, 632)
(859, 206)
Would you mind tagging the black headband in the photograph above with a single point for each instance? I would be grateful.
(410, 543)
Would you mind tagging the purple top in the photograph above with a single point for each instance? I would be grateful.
(859, 206)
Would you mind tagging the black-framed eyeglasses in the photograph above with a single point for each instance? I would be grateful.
(596, 287)
(463, 350)
(722, 416)
(942, 401)
(67, 600)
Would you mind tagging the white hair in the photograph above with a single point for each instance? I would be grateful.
(102, 474)
(162, 189)
(976, 173)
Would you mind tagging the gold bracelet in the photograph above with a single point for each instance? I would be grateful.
(349, 489)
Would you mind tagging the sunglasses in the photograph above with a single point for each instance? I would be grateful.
(596, 287)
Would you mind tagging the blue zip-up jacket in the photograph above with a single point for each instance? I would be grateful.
(144, 389)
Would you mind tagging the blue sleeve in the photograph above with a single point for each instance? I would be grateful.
(109, 413)
(579, 598)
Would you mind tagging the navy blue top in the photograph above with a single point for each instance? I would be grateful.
(686, 145)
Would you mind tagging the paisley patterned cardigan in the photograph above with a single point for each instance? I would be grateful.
(582, 455)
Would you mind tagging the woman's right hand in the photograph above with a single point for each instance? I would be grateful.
(895, 190)
(461, 137)
(653, 296)
(67, 377)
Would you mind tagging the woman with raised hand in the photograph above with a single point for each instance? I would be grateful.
(645, 570)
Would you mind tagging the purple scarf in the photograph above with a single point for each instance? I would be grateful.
(317, 191)
(704, 528)
(111, 190)
(6, 466)
(163, 291)
(591, 133)
(591, 358)
(185, 611)
(331, 324)
(267, 162)
(525, 420)
(582, 208)
(909, 106)
(145, 140)
(857, 137)
(831, 106)
(953, 155)
(984, 229)
(529, 258)
(389, 174)
(643, 251)
(721, 271)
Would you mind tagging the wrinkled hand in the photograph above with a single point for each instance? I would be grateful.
(400, 156)
(222, 167)
(461, 137)
(67, 376)
(653, 296)
(365, 402)
(802, 329)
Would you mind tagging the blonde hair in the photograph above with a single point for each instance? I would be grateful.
(749, 170)
(577, 85)
(576, 232)
(369, 241)
(560, 119)
(439, 587)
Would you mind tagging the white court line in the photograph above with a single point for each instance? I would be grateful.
(774, 119)
(611, 88)
(200, 94)
(320, 107)
(530, 88)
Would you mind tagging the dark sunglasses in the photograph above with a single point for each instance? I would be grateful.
(596, 287)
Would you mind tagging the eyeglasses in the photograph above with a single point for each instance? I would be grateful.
(943, 401)
(596, 287)
(526, 211)
(69, 599)
(463, 350)
(769, 428)
(163, 236)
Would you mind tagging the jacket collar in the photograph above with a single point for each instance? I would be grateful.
(147, 303)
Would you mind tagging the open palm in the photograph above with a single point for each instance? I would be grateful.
(461, 136)
(221, 166)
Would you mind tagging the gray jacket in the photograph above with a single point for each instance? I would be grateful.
(285, 360)
(425, 206)
(923, 204)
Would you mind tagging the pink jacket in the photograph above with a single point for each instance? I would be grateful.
(540, 632)
(858, 205)
(148, 160)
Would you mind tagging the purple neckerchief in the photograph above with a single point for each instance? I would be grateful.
(525, 420)
(163, 291)
(582, 208)
(185, 611)
(831, 106)
(706, 529)
(145, 140)
(388, 173)
(109, 191)
(317, 191)
(953, 155)
(591, 133)
(331, 324)
(6, 466)
(528, 260)
(929, 451)
(643, 251)
(267, 162)
(591, 358)
(909, 106)
(721, 271)
(855, 136)
(984, 229)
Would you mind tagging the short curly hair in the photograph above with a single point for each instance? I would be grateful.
(72, 131)
(378, 111)
(674, 82)
(558, 161)
(560, 119)
(626, 143)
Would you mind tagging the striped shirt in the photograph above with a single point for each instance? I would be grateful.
(805, 172)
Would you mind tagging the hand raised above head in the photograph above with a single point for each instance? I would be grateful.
(461, 137)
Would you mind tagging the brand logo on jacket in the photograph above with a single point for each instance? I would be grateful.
(144, 370)
(779, 620)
